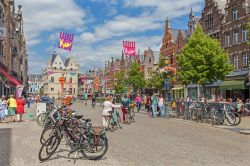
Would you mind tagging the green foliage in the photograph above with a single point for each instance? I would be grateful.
(155, 81)
(121, 83)
(202, 60)
(135, 77)
(41, 92)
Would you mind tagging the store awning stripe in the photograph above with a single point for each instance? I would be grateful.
(12, 80)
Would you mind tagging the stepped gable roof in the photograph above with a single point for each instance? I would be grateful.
(221, 5)
(35, 77)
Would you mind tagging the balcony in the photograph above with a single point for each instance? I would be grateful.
(3, 66)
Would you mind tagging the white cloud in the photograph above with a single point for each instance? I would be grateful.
(48, 15)
(151, 19)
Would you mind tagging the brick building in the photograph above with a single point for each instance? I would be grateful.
(234, 40)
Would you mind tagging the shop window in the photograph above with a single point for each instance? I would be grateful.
(52, 89)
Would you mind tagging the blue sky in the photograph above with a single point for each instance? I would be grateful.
(99, 26)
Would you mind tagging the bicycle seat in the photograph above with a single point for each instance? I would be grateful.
(78, 116)
(87, 120)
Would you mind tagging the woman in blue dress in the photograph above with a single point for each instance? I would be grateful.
(3, 108)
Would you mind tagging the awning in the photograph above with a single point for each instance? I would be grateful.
(233, 85)
(177, 87)
(12, 79)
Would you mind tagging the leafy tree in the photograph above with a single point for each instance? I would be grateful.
(121, 83)
(156, 81)
(136, 77)
(202, 60)
(41, 91)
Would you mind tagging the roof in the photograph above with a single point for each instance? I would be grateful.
(35, 77)
(221, 5)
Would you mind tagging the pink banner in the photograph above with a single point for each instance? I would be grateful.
(65, 41)
(129, 48)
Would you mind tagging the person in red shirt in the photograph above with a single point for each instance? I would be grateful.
(20, 108)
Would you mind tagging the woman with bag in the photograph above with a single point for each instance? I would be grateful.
(20, 108)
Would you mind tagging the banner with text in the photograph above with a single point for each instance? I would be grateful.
(129, 48)
(65, 41)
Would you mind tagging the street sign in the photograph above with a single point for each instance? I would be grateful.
(167, 84)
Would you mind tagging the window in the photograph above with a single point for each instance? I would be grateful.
(236, 62)
(244, 34)
(227, 39)
(236, 36)
(235, 14)
(149, 60)
(245, 59)
(52, 89)
(209, 21)
(52, 79)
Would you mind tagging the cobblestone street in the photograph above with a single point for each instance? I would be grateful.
(147, 142)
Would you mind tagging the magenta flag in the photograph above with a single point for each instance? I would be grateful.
(129, 48)
(65, 41)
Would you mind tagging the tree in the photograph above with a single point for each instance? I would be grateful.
(136, 77)
(121, 83)
(156, 81)
(202, 60)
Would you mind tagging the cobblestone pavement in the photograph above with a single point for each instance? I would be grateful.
(147, 142)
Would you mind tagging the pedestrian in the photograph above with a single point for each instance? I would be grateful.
(93, 101)
(125, 101)
(3, 108)
(148, 103)
(154, 104)
(138, 101)
(28, 101)
(20, 108)
(108, 105)
(11, 103)
(161, 104)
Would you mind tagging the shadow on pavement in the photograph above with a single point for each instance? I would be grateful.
(5, 146)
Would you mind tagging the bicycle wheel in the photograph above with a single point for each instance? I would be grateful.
(40, 119)
(230, 119)
(111, 126)
(47, 133)
(95, 152)
(48, 149)
(119, 121)
(238, 118)
(133, 116)
(195, 115)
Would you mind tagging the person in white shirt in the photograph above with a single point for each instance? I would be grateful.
(108, 105)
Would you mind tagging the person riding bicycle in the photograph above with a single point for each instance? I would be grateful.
(125, 101)
(108, 105)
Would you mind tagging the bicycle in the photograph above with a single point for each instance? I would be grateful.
(114, 121)
(130, 115)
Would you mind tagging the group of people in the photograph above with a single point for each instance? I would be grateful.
(153, 104)
(11, 109)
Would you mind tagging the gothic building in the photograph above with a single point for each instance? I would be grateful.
(56, 68)
(212, 17)
(192, 22)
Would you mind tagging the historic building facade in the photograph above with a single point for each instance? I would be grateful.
(56, 68)
(13, 52)
(171, 47)
(234, 40)
(35, 83)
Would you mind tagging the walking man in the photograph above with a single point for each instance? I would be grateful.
(138, 101)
